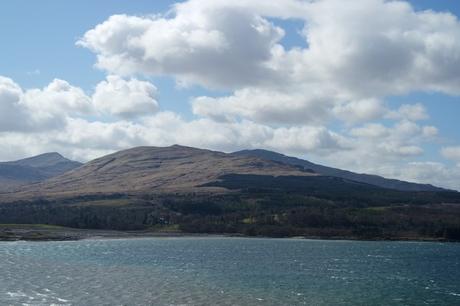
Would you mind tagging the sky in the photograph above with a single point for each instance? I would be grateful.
(365, 85)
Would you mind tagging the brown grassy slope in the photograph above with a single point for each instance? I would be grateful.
(154, 169)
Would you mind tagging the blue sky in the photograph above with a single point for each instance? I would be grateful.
(41, 35)
(46, 43)
(39, 45)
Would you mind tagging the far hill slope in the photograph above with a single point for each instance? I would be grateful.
(151, 169)
(328, 171)
(34, 169)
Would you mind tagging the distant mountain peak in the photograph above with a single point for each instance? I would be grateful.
(34, 169)
(44, 155)
(42, 160)
(51, 154)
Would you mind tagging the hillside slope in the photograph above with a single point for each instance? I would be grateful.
(323, 170)
(151, 169)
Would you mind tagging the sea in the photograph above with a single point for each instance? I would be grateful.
(229, 271)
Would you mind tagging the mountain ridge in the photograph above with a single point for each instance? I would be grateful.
(188, 168)
(335, 172)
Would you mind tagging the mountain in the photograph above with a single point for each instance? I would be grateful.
(328, 171)
(201, 191)
(34, 169)
(152, 169)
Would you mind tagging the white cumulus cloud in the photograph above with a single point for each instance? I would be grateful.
(356, 54)
(452, 153)
(59, 98)
(13, 115)
(125, 98)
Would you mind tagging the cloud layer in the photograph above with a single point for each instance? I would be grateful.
(325, 98)
(369, 147)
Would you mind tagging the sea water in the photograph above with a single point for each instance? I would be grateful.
(229, 271)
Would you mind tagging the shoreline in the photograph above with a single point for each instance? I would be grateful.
(43, 233)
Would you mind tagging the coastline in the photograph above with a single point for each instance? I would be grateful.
(38, 232)
(42, 233)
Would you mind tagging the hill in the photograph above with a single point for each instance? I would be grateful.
(153, 169)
